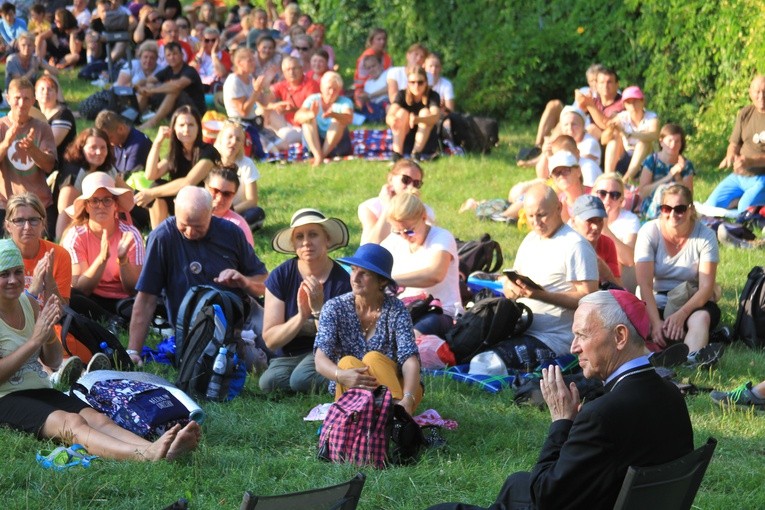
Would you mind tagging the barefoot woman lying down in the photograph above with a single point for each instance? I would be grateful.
(27, 401)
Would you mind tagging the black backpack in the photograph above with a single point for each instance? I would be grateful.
(196, 341)
(90, 334)
(484, 254)
(474, 134)
(489, 322)
(750, 319)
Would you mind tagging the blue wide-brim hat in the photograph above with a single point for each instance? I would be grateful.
(372, 257)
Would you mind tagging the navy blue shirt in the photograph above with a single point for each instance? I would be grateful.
(175, 264)
(132, 155)
(284, 283)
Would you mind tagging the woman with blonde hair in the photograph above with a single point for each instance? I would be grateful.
(425, 261)
(144, 65)
(412, 116)
(677, 250)
(230, 146)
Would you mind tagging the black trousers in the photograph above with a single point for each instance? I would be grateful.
(515, 495)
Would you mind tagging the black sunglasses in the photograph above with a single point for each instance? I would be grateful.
(679, 209)
(210, 40)
(416, 82)
(302, 48)
(615, 195)
(406, 180)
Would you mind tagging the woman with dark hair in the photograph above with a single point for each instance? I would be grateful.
(90, 152)
(64, 42)
(675, 251)
(365, 337)
(188, 162)
(663, 168)
(413, 115)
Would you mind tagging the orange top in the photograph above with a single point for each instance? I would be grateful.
(62, 267)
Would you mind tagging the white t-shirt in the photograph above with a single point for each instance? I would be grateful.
(248, 173)
(234, 88)
(554, 263)
(669, 272)
(589, 146)
(626, 225)
(590, 171)
(134, 69)
(628, 127)
(445, 89)
(398, 74)
(404, 261)
(372, 86)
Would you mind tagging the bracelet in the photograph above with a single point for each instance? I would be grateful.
(132, 352)
(336, 371)
(26, 291)
(408, 394)
(316, 315)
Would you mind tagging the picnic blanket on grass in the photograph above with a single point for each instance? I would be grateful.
(370, 144)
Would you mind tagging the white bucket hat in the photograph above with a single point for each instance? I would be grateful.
(337, 231)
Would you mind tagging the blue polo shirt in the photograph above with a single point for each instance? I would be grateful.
(175, 264)
(133, 154)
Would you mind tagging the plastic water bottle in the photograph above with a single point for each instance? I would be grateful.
(106, 349)
(219, 371)
(220, 323)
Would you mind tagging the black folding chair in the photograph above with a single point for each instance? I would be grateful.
(344, 496)
(670, 486)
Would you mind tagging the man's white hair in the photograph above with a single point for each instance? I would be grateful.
(610, 313)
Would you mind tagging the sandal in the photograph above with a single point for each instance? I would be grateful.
(62, 457)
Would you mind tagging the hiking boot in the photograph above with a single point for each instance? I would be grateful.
(99, 361)
(68, 373)
(741, 396)
(673, 356)
(706, 356)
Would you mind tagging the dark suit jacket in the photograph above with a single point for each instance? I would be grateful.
(642, 420)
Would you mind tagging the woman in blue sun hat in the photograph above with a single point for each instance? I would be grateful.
(366, 337)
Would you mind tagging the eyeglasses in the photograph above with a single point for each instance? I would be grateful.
(561, 171)
(614, 195)
(20, 222)
(182, 25)
(416, 82)
(679, 209)
(406, 181)
(302, 48)
(225, 194)
(106, 201)
(408, 232)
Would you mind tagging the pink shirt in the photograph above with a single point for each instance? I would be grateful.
(84, 246)
(240, 222)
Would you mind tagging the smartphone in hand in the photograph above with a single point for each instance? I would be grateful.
(514, 276)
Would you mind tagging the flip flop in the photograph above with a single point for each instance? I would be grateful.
(62, 457)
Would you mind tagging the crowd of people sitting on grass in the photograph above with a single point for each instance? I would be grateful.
(596, 161)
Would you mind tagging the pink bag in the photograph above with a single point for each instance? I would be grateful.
(434, 352)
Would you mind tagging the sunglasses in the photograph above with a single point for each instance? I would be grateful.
(416, 82)
(20, 222)
(563, 171)
(406, 180)
(210, 40)
(226, 194)
(679, 209)
(182, 25)
(408, 232)
(106, 201)
(614, 195)
(302, 48)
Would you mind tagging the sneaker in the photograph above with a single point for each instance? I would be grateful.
(673, 356)
(68, 373)
(99, 361)
(501, 218)
(722, 335)
(741, 396)
(706, 356)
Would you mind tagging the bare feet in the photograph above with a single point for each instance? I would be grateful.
(159, 448)
(317, 161)
(185, 441)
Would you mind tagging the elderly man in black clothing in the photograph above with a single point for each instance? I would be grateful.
(641, 420)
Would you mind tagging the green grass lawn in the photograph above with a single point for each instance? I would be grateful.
(262, 444)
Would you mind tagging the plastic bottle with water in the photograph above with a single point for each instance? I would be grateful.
(219, 334)
(106, 349)
(214, 387)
